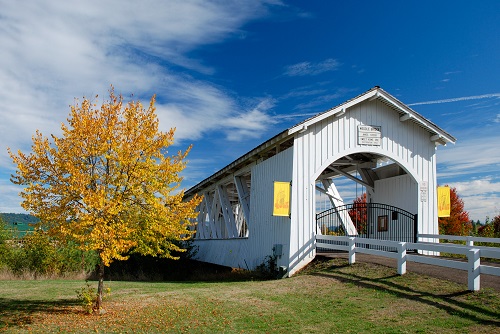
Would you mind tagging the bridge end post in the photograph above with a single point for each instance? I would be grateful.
(352, 250)
(473, 276)
(401, 258)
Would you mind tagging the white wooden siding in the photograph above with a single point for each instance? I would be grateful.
(318, 142)
(400, 191)
(264, 230)
(328, 140)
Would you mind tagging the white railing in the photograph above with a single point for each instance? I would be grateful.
(469, 241)
(473, 265)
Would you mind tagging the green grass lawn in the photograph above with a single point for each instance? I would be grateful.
(328, 297)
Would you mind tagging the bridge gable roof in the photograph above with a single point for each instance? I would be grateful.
(285, 137)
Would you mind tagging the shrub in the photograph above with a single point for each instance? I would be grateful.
(5, 248)
(37, 254)
(72, 259)
(268, 268)
(40, 254)
(87, 296)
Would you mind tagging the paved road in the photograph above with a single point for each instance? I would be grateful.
(450, 274)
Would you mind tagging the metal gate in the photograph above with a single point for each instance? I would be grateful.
(368, 220)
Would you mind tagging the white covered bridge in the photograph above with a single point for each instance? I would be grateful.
(373, 139)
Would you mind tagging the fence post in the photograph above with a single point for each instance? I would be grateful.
(470, 241)
(473, 276)
(401, 258)
(352, 250)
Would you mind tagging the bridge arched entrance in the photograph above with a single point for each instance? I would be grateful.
(369, 195)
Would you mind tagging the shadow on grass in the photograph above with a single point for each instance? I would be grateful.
(186, 271)
(19, 313)
(448, 301)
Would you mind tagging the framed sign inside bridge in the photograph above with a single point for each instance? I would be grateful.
(369, 135)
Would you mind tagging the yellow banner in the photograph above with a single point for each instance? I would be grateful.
(444, 206)
(281, 203)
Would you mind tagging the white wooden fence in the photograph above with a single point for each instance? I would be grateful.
(473, 253)
(469, 241)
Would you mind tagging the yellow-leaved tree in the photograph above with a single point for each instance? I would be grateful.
(108, 183)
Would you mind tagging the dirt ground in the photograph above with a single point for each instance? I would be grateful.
(450, 274)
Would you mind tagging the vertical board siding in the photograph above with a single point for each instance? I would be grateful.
(302, 241)
(400, 191)
(225, 252)
(264, 230)
(406, 143)
(322, 143)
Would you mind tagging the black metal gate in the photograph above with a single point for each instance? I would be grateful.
(369, 220)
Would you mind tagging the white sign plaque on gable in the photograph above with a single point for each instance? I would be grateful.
(369, 135)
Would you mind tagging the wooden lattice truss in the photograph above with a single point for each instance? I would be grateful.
(224, 212)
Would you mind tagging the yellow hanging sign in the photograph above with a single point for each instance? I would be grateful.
(281, 203)
(444, 207)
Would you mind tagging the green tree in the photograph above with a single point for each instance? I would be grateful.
(490, 229)
(458, 223)
(108, 183)
(39, 254)
(5, 249)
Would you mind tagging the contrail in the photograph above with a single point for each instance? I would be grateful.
(290, 116)
(477, 97)
(456, 99)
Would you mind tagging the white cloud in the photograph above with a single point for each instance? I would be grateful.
(308, 68)
(480, 207)
(323, 100)
(470, 156)
(10, 200)
(250, 124)
(481, 186)
(201, 111)
(193, 108)
(481, 197)
(198, 169)
(477, 161)
(53, 52)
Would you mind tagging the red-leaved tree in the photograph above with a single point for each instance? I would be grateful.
(358, 213)
(458, 223)
(496, 226)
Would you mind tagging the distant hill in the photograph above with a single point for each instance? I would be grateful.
(19, 221)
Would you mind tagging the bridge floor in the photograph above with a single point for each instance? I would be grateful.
(450, 274)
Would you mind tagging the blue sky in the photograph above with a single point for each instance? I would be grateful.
(230, 75)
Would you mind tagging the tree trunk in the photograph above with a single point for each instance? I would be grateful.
(100, 288)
